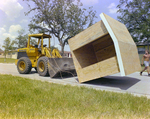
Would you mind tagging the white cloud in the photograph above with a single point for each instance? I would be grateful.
(13, 29)
(24, 21)
(5, 35)
(12, 32)
(89, 2)
(112, 8)
(2, 30)
(11, 8)
(111, 5)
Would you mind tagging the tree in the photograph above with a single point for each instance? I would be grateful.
(21, 39)
(0, 45)
(61, 18)
(135, 14)
(8, 45)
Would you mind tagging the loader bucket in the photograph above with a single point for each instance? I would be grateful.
(58, 67)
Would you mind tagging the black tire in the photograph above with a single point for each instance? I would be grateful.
(42, 66)
(24, 65)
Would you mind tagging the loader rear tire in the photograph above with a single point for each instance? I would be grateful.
(42, 66)
(24, 65)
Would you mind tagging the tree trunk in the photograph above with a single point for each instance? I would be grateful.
(62, 49)
(5, 56)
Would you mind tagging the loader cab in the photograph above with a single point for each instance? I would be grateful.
(32, 51)
(38, 41)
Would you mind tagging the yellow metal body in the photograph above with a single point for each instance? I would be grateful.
(34, 52)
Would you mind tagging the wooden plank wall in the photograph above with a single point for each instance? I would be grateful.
(88, 35)
(99, 69)
(128, 49)
(85, 55)
(93, 53)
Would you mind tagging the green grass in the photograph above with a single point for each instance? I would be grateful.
(8, 60)
(26, 98)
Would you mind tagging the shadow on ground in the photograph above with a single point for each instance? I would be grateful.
(114, 81)
(33, 72)
(123, 83)
(59, 76)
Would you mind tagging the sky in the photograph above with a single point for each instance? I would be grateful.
(13, 18)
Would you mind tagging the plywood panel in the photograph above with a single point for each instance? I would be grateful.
(119, 30)
(124, 45)
(92, 33)
(130, 58)
(76, 62)
(100, 69)
(102, 42)
(85, 55)
(105, 53)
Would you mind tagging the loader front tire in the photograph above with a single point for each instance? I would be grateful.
(42, 66)
(24, 65)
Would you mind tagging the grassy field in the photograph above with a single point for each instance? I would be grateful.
(8, 60)
(25, 98)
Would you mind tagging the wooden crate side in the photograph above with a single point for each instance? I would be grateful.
(100, 69)
(102, 42)
(85, 55)
(75, 61)
(130, 57)
(88, 35)
(119, 30)
(106, 53)
(122, 41)
(94, 52)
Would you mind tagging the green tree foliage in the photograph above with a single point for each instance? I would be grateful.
(61, 18)
(33, 41)
(135, 14)
(0, 45)
(8, 45)
(21, 39)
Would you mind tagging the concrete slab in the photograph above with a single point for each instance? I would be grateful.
(133, 83)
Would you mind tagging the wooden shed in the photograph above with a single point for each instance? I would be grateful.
(103, 49)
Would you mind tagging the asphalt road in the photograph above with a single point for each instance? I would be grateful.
(134, 83)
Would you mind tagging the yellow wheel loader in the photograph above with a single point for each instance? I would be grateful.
(42, 58)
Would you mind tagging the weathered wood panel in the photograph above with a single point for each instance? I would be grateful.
(92, 33)
(102, 42)
(100, 69)
(130, 58)
(85, 55)
(126, 49)
(105, 53)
